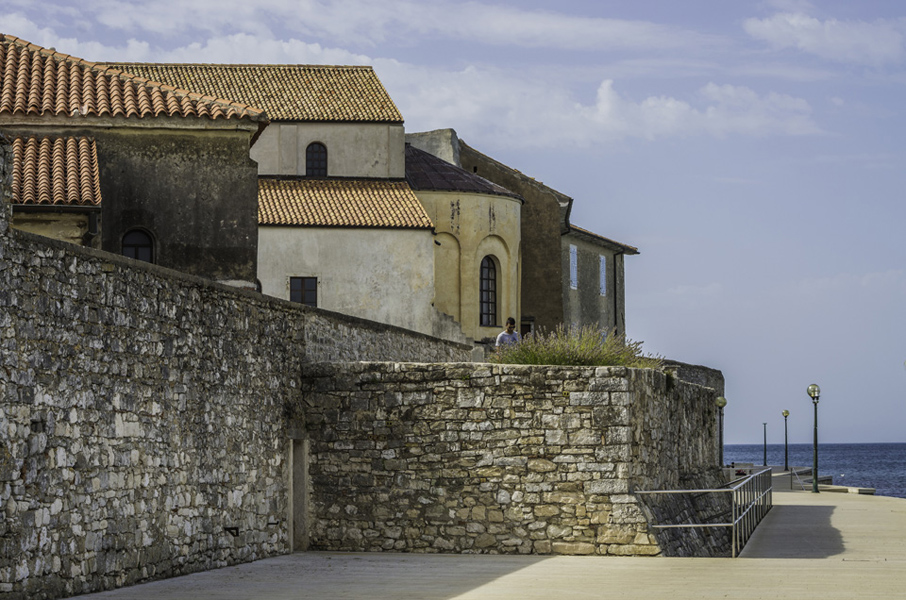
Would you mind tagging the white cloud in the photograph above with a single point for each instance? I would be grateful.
(489, 106)
(364, 22)
(852, 42)
(244, 48)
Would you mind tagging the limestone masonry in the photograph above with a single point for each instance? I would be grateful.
(498, 458)
(154, 424)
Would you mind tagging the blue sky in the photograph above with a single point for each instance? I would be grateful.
(753, 151)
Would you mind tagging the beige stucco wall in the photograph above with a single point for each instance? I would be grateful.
(353, 149)
(470, 227)
(385, 275)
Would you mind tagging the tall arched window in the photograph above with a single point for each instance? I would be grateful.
(316, 160)
(138, 244)
(488, 292)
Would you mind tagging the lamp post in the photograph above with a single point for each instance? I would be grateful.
(814, 391)
(786, 443)
(721, 402)
(765, 444)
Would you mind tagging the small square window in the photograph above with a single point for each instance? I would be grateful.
(304, 290)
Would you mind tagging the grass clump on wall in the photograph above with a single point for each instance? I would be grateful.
(580, 346)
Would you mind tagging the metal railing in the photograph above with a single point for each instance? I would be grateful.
(750, 500)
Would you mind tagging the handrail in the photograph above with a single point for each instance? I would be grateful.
(751, 499)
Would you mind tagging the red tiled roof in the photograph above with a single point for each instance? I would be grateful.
(339, 203)
(38, 81)
(55, 171)
(286, 92)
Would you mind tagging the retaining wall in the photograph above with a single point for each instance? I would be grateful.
(499, 458)
(143, 431)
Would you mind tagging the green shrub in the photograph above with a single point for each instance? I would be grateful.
(582, 346)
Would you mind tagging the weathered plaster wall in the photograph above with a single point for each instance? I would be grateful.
(142, 415)
(498, 458)
(64, 226)
(353, 149)
(470, 227)
(194, 190)
(386, 275)
(585, 305)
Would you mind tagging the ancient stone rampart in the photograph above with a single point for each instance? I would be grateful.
(143, 431)
(499, 458)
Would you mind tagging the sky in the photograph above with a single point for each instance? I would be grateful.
(752, 150)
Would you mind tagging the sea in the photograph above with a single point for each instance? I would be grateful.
(879, 466)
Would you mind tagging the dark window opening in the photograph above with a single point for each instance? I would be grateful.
(138, 245)
(316, 160)
(304, 290)
(488, 292)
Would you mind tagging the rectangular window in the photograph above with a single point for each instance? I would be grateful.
(304, 290)
(573, 267)
(603, 260)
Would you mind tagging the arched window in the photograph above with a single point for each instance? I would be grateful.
(138, 244)
(488, 287)
(316, 160)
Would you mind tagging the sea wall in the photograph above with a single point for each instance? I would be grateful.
(498, 458)
(143, 430)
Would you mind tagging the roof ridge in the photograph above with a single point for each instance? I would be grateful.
(349, 93)
(234, 65)
(104, 69)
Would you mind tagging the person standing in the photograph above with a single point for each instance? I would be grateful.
(510, 335)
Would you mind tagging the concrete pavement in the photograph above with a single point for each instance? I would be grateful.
(827, 545)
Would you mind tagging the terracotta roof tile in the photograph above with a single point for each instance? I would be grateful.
(285, 92)
(55, 171)
(39, 81)
(424, 171)
(339, 203)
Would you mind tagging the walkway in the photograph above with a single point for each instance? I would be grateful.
(828, 546)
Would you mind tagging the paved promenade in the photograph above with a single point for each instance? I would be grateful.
(827, 545)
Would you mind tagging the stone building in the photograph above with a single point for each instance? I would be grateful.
(108, 159)
(339, 228)
(476, 255)
(593, 285)
(568, 275)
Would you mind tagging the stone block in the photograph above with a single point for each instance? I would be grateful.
(563, 498)
(542, 546)
(541, 465)
(633, 550)
(573, 548)
(607, 486)
(546, 510)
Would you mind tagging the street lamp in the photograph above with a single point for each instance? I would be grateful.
(721, 402)
(814, 391)
(765, 444)
(786, 443)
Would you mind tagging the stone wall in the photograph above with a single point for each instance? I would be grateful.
(143, 431)
(498, 458)
(6, 173)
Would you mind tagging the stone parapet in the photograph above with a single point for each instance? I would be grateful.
(498, 458)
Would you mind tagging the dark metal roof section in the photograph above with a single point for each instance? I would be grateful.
(426, 172)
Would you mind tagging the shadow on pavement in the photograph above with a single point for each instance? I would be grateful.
(795, 532)
(333, 575)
